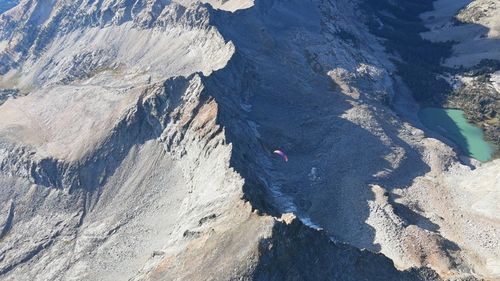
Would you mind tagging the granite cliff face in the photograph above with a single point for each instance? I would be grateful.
(136, 143)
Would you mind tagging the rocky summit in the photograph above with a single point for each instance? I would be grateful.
(247, 140)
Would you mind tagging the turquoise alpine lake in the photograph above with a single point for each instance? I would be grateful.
(452, 124)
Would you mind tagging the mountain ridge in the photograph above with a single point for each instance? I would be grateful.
(155, 162)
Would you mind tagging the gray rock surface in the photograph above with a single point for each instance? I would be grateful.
(138, 146)
(474, 26)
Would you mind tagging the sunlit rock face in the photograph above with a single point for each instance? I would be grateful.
(137, 139)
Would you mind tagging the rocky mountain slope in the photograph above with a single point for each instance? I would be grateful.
(475, 60)
(6, 5)
(136, 141)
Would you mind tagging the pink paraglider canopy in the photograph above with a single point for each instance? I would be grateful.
(282, 154)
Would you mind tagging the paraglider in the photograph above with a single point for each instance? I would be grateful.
(282, 154)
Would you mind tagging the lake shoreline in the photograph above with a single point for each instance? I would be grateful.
(454, 126)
